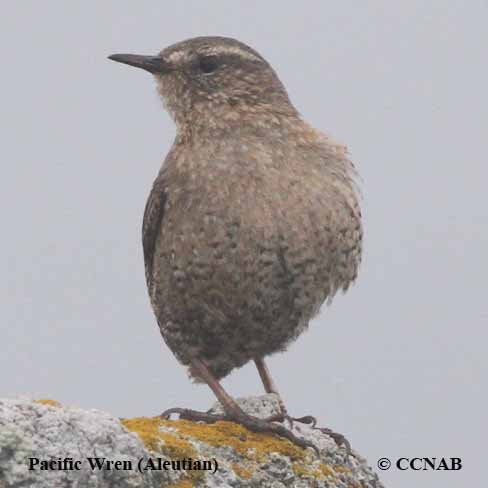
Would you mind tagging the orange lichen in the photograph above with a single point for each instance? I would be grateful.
(148, 430)
(301, 470)
(241, 471)
(250, 445)
(154, 439)
(183, 483)
(176, 448)
(326, 470)
(319, 472)
(48, 403)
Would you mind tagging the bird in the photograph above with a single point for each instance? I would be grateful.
(252, 223)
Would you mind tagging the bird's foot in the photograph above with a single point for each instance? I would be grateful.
(194, 415)
(339, 439)
(252, 423)
(283, 416)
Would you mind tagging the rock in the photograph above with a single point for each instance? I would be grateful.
(263, 406)
(90, 448)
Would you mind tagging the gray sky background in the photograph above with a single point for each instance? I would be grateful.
(398, 364)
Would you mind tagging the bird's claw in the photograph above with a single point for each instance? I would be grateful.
(283, 416)
(339, 439)
(306, 419)
(194, 415)
(254, 424)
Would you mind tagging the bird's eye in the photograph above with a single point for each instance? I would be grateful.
(208, 64)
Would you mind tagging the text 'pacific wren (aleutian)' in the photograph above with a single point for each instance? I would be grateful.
(252, 222)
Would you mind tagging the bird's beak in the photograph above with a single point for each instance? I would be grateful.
(153, 64)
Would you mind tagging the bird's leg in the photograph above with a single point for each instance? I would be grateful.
(232, 410)
(270, 387)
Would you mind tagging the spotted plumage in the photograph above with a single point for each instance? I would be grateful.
(253, 220)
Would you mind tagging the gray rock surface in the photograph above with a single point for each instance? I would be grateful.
(263, 406)
(237, 458)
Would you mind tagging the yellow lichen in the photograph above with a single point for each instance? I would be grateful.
(306, 471)
(176, 448)
(183, 483)
(326, 470)
(250, 445)
(149, 431)
(301, 470)
(147, 428)
(48, 403)
(241, 471)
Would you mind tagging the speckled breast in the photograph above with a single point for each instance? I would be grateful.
(241, 267)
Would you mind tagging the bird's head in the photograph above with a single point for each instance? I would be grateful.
(203, 78)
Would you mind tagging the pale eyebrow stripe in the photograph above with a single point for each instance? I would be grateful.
(243, 53)
(219, 50)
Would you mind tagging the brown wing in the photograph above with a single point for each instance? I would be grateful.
(151, 225)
